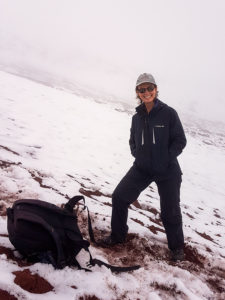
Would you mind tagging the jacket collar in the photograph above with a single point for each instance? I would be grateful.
(141, 109)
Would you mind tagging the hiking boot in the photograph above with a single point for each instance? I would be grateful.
(109, 241)
(177, 254)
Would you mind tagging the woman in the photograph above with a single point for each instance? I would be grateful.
(156, 139)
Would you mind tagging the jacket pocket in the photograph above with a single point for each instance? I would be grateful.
(160, 152)
(160, 159)
(142, 158)
(158, 132)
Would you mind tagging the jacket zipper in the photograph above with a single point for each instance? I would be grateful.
(143, 133)
(142, 138)
(153, 135)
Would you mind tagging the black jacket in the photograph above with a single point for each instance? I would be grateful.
(157, 138)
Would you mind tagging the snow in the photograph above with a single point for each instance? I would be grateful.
(56, 144)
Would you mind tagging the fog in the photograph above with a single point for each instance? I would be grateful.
(102, 46)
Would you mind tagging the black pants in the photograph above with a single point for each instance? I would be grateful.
(128, 190)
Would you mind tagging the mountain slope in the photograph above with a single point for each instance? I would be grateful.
(55, 145)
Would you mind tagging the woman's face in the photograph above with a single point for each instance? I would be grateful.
(147, 92)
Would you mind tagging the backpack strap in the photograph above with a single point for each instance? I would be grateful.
(69, 207)
(76, 264)
(72, 202)
(114, 269)
(93, 261)
(90, 229)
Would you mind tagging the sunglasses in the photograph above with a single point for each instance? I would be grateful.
(150, 88)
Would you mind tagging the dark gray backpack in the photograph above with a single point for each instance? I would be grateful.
(43, 232)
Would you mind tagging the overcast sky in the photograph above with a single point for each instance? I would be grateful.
(106, 44)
